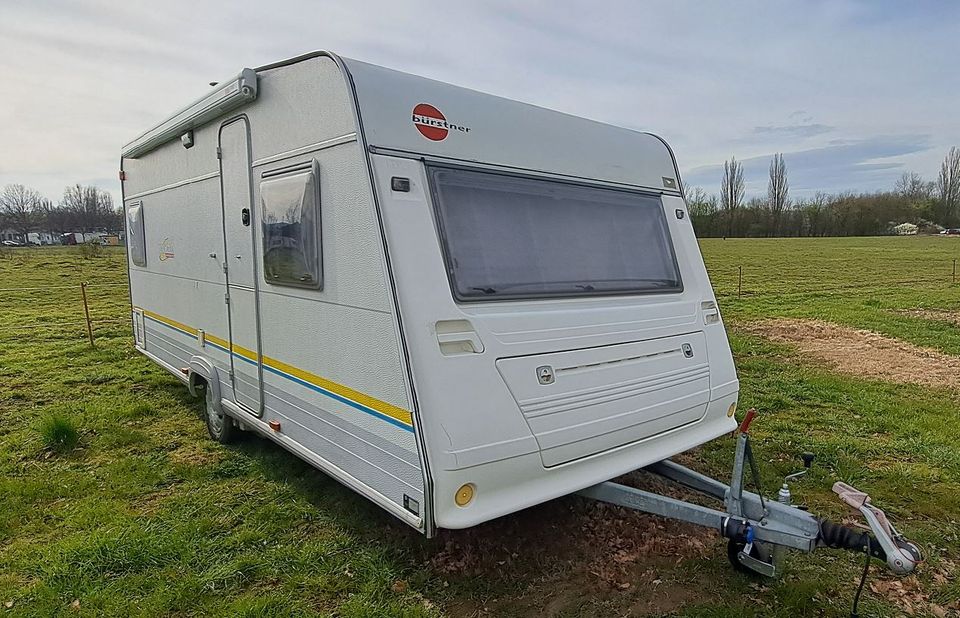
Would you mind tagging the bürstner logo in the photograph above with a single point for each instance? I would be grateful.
(432, 124)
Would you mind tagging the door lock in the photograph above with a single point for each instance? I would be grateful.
(245, 216)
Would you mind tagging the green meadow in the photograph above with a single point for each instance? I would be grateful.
(113, 501)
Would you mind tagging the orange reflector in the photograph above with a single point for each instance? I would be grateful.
(274, 425)
(464, 495)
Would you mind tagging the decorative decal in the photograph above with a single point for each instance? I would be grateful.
(166, 250)
(432, 124)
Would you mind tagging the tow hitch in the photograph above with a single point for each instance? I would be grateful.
(759, 530)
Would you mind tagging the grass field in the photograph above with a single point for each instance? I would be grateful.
(138, 514)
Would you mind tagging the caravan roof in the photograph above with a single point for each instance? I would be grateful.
(398, 110)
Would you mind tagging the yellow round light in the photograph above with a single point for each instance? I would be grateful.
(732, 410)
(464, 495)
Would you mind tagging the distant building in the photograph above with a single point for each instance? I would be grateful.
(905, 229)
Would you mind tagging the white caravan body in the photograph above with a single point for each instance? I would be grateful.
(457, 304)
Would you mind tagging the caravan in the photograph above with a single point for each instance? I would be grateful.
(456, 304)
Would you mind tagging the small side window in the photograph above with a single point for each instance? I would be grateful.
(290, 201)
(136, 242)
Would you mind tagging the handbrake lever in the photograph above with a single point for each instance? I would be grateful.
(902, 555)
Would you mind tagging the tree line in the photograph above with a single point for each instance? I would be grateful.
(82, 208)
(930, 205)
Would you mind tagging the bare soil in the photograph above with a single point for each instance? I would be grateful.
(941, 315)
(864, 353)
(576, 557)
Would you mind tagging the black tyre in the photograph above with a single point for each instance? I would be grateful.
(219, 425)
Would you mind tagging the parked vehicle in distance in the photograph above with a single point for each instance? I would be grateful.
(456, 304)
(78, 238)
(12, 243)
(38, 239)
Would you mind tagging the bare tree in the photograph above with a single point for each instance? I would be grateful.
(816, 209)
(702, 208)
(948, 187)
(731, 191)
(90, 208)
(912, 188)
(778, 191)
(18, 206)
(51, 218)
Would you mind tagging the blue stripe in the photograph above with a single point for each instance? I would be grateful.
(219, 347)
(311, 386)
(340, 398)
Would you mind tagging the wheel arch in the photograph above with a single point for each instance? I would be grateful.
(204, 372)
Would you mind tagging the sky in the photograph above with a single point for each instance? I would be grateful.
(853, 93)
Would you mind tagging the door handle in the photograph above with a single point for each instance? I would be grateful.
(245, 216)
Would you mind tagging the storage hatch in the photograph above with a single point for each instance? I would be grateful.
(581, 402)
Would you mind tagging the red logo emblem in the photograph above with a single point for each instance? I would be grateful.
(430, 121)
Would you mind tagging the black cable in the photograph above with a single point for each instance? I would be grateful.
(748, 451)
(863, 581)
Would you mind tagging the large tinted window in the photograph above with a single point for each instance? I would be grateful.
(512, 237)
(291, 228)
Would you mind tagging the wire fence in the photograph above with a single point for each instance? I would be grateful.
(65, 311)
(755, 280)
(100, 309)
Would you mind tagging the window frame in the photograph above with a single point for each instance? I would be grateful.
(439, 222)
(140, 230)
(313, 167)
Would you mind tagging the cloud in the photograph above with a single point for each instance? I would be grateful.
(793, 130)
(81, 79)
(856, 165)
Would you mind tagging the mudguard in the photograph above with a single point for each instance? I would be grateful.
(202, 369)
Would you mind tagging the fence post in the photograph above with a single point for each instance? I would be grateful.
(954, 270)
(86, 311)
(739, 281)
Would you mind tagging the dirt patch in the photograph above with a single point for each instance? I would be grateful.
(910, 596)
(939, 315)
(864, 353)
(575, 556)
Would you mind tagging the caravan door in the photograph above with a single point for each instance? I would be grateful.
(240, 229)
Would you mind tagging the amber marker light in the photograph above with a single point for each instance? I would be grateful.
(464, 495)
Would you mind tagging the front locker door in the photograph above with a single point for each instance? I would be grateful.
(240, 229)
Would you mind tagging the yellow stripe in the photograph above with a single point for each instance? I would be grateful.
(166, 320)
(387, 409)
(382, 407)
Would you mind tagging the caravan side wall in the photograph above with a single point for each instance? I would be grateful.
(325, 363)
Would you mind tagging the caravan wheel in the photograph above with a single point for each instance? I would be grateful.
(219, 425)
